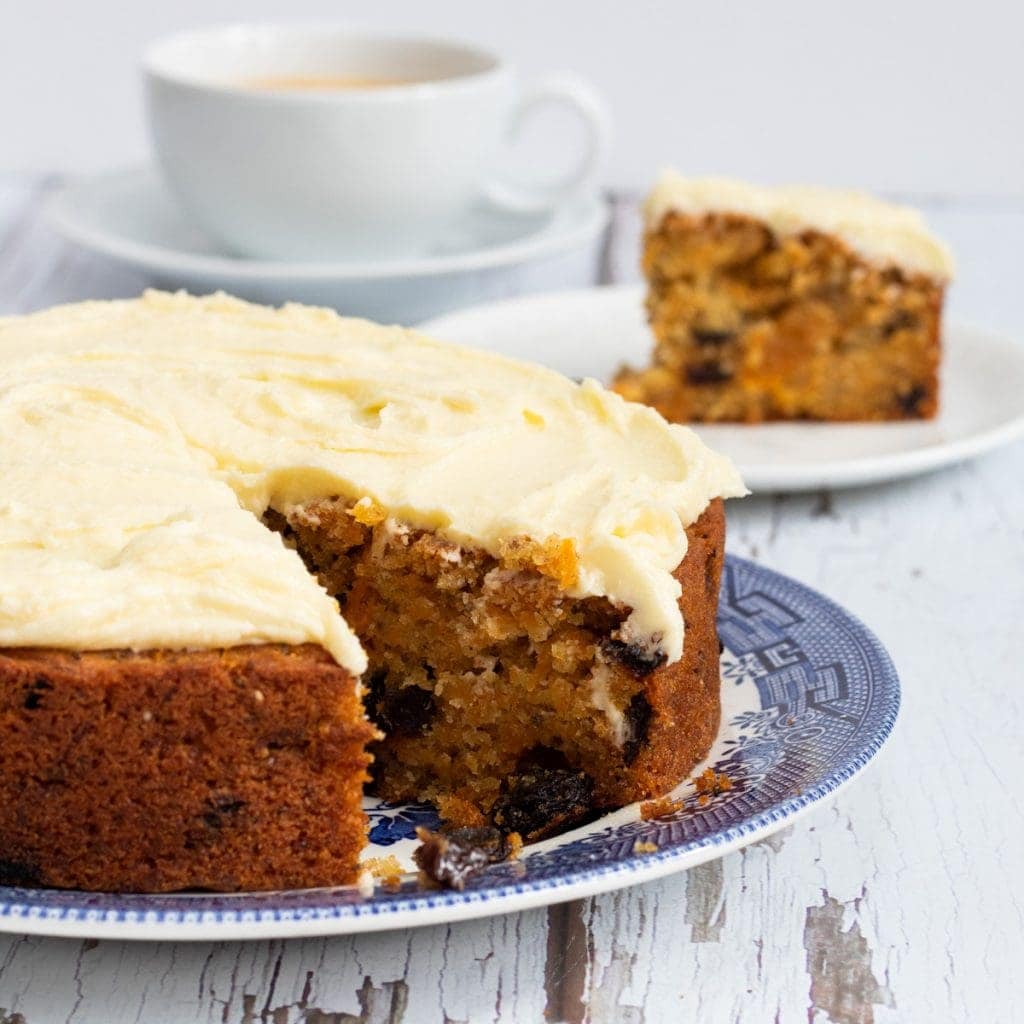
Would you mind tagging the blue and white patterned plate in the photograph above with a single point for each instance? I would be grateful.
(808, 697)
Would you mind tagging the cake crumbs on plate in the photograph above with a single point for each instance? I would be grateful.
(645, 846)
(659, 807)
(711, 783)
(386, 870)
(513, 846)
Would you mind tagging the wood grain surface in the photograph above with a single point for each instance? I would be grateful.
(901, 901)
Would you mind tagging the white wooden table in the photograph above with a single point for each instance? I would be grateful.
(902, 901)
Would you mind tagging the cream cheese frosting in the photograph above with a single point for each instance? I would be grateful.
(881, 232)
(143, 439)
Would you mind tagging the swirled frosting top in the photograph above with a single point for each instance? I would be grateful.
(881, 232)
(143, 439)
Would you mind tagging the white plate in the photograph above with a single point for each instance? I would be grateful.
(589, 333)
(129, 217)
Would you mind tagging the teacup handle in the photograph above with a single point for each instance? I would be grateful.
(577, 94)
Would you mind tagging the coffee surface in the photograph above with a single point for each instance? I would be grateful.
(322, 83)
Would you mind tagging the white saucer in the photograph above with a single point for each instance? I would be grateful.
(590, 333)
(129, 216)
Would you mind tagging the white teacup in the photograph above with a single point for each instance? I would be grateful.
(287, 142)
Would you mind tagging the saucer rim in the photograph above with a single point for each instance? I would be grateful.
(588, 216)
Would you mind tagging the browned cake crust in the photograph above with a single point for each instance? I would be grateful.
(750, 326)
(225, 770)
(685, 697)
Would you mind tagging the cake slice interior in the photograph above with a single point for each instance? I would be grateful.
(788, 304)
(501, 697)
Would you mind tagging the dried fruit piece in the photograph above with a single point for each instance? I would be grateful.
(708, 373)
(639, 659)
(704, 336)
(17, 873)
(34, 697)
(638, 718)
(901, 320)
(408, 711)
(221, 807)
(542, 801)
(910, 400)
(452, 858)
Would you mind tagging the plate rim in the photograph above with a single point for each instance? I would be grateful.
(766, 478)
(20, 916)
(591, 215)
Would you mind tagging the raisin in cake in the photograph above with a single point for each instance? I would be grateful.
(788, 303)
(245, 553)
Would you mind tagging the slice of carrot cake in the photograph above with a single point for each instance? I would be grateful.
(788, 303)
(244, 552)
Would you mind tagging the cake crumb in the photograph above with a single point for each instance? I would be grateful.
(364, 883)
(711, 783)
(659, 807)
(514, 845)
(368, 512)
(645, 846)
(386, 870)
(460, 813)
(555, 558)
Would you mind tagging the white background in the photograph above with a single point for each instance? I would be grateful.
(902, 96)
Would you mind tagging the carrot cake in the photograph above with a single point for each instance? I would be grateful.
(250, 557)
(788, 303)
